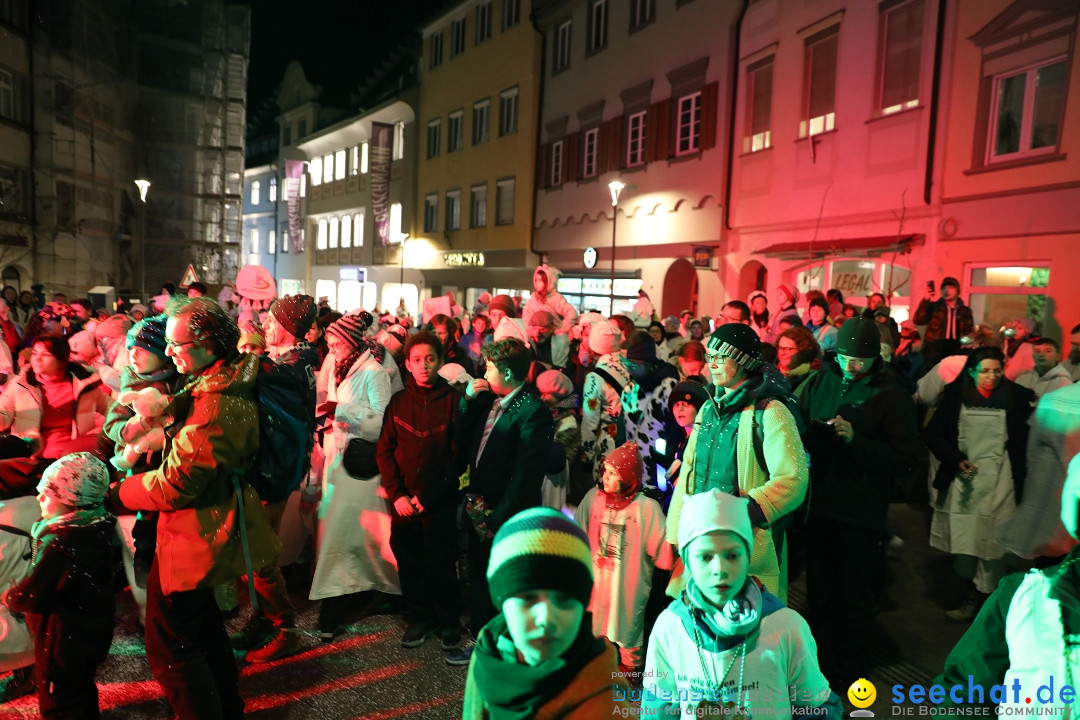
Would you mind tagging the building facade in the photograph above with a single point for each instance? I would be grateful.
(16, 179)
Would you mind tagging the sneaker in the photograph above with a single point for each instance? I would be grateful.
(451, 639)
(328, 636)
(968, 609)
(251, 635)
(463, 654)
(285, 642)
(416, 634)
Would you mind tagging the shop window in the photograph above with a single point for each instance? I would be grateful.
(999, 293)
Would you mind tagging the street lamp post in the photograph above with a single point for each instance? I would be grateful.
(616, 187)
(144, 187)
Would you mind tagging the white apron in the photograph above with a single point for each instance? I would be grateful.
(966, 516)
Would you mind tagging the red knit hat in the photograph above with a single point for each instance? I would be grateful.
(295, 313)
(627, 460)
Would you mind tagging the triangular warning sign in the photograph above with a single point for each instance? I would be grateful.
(189, 278)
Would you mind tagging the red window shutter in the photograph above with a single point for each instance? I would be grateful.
(543, 162)
(658, 131)
(571, 161)
(609, 141)
(709, 96)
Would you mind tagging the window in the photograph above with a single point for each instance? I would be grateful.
(354, 160)
(1000, 293)
(315, 169)
(511, 13)
(431, 213)
(433, 131)
(483, 22)
(11, 101)
(598, 19)
(560, 59)
(15, 186)
(588, 158)
(759, 106)
(303, 186)
(358, 229)
(255, 186)
(333, 234)
(435, 50)
(253, 238)
(642, 12)
(285, 237)
(556, 163)
(301, 129)
(395, 223)
(363, 158)
(320, 237)
(346, 232)
(504, 199)
(901, 56)
(399, 141)
(327, 168)
(1027, 111)
(271, 242)
(455, 131)
(635, 139)
(457, 37)
(688, 130)
(453, 210)
(478, 206)
(273, 189)
(508, 111)
(339, 165)
(481, 124)
(819, 83)
(286, 135)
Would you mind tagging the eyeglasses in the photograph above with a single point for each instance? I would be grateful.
(784, 348)
(991, 372)
(174, 346)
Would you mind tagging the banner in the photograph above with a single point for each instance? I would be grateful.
(294, 170)
(382, 138)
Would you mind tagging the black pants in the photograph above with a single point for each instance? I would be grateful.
(189, 653)
(844, 567)
(67, 654)
(481, 609)
(425, 546)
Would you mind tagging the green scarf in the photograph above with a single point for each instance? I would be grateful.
(514, 691)
(78, 517)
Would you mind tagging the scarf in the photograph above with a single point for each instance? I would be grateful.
(342, 367)
(730, 624)
(164, 375)
(514, 691)
(79, 517)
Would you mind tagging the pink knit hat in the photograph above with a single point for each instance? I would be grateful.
(605, 337)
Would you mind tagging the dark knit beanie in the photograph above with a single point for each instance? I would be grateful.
(821, 303)
(504, 303)
(149, 334)
(688, 391)
(950, 281)
(859, 338)
(295, 313)
(642, 348)
(540, 549)
(351, 326)
(738, 342)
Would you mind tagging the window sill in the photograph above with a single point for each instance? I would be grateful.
(686, 156)
(588, 180)
(816, 135)
(752, 153)
(1018, 163)
(642, 25)
(595, 51)
(898, 113)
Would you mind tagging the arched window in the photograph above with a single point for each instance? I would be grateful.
(320, 239)
(334, 222)
(346, 232)
(255, 189)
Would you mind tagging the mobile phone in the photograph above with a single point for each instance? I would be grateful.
(930, 285)
(826, 425)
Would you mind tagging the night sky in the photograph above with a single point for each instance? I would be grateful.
(337, 41)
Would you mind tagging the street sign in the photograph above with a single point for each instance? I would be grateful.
(189, 278)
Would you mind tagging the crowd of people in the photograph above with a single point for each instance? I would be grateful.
(570, 504)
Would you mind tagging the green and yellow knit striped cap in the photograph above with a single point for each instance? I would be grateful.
(540, 549)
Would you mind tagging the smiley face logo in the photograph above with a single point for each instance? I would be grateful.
(862, 693)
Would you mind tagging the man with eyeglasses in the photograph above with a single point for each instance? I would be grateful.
(862, 438)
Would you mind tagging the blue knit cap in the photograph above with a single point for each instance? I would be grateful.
(149, 334)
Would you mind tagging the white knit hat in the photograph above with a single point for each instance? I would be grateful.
(712, 511)
(605, 337)
(512, 328)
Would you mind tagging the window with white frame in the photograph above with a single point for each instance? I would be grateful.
(457, 37)
(434, 128)
(273, 189)
(481, 123)
(363, 158)
(508, 111)
(588, 155)
(900, 46)
(483, 22)
(354, 160)
(358, 229)
(688, 127)
(819, 82)
(395, 222)
(1027, 110)
(303, 185)
(435, 50)
(511, 13)
(635, 139)
(642, 12)
(271, 242)
(431, 213)
(339, 165)
(453, 210)
(504, 199)
(1000, 292)
(315, 170)
(455, 137)
(253, 241)
(556, 167)
(560, 57)
(333, 233)
(398, 150)
(759, 87)
(321, 235)
(598, 22)
(255, 188)
(327, 168)
(285, 237)
(478, 206)
(346, 232)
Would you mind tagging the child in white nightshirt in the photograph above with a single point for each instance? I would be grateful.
(626, 537)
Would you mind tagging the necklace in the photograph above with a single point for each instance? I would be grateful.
(715, 695)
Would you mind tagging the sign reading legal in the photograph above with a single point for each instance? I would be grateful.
(855, 283)
(471, 259)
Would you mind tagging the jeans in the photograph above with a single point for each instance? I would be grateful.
(425, 546)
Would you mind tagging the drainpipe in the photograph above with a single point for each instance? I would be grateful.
(536, 138)
(935, 94)
(732, 104)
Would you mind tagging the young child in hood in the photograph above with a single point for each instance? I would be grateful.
(726, 642)
(68, 595)
(538, 658)
(626, 537)
(557, 392)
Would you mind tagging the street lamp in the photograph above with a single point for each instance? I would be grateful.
(144, 187)
(401, 255)
(616, 187)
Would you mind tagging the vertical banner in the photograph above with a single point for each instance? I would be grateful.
(382, 137)
(294, 169)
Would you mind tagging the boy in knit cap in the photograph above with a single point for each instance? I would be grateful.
(538, 657)
(68, 595)
(626, 536)
(726, 645)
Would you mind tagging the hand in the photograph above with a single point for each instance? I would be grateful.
(967, 469)
(929, 292)
(844, 430)
(403, 506)
(673, 470)
(476, 387)
(417, 505)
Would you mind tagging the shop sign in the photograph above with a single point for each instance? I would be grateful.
(590, 257)
(356, 274)
(854, 278)
(702, 256)
(464, 259)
